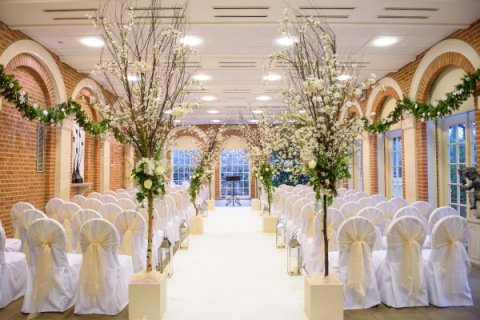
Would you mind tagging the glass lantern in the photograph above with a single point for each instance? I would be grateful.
(184, 233)
(166, 257)
(204, 209)
(280, 234)
(294, 257)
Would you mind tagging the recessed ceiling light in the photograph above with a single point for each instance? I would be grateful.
(167, 111)
(215, 121)
(202, 77)
(285, 41)
(272, 77)
(384, 41)
(191, 41)
(302, 111)
(344, 77)
(208, 98)
(132, 77)
(253, 120)
(213, 111)
(258, 111)
(263, 98)
(94, 42)
(177, 120)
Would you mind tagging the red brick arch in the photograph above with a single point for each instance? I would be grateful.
(18, 142)
(377, 108)
(431, 74)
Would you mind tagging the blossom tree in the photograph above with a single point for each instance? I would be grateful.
(261, 142)
(320, 94)
(144, 62)
(209, 156)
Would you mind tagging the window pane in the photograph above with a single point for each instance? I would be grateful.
(453, 174)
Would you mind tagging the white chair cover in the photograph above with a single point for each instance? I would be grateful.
(15, 213)
(26, 219)
(53, 275)
(13, 273)
(111, 193)
(108, 198)
(376, 217)
(52, 207)
(78, 220)
(94, 195)
(424, 207)
(104, 275)
(411, 212)
(351, 197)
(92, 203)
(79, 199)
(338, 202)
(126, 204)
(434, 217)
(361, 195)
(65, 216)
(13, 245)
(350, 209)
(388, 210)
(448, 266)
(399, 202)
(356, 238)
(400, 275)
(121, 190)
(123, 196)
(110, 211)
(132, 228)
(367, 202)
(165, 219)
(341, 191)
(378, 198)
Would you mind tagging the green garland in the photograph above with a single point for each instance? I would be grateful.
(265, 175)
(11, 90)
(195, 185)
(426, 111)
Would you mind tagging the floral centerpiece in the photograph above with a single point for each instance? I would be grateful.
(321, 91)
(261, 141)
(210, 153)
(145, 65)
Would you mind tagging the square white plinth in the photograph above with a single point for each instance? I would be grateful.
(269, 224)
(211, 205)
(474, 241)
(255, 204)
(323, 298)
(196, 225)
(147, 300)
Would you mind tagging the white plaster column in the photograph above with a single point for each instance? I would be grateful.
(410, 158)
(63, 176)
(105, 164)
(367, 185)
(129, 161)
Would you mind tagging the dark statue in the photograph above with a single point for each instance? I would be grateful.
(473, 182)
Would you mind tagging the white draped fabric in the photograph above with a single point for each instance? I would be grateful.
(376, 217)
(350, 209)
(26, 219)
(353, 263)
(78, 220)
(92, 203)
(424, 207)
(108, 198)
(378, 198)
(104, 275)
(13, 273)
(126, 204)
(367, 202)
(448, 266)
(132, 228)
(409, 211)
(436, 216)
(13, 245)
(52, 207)
(53, 274)
(400, 275)
(65, 216)
(399, 202)
(388, 210)
(79, 199)
(94, 195)
(15, 213)
(110, 211)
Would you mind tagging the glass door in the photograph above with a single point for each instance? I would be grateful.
(235, 163)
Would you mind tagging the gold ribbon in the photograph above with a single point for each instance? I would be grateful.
(92, 272)
(356, 267)
(43, 281)
(411, 266)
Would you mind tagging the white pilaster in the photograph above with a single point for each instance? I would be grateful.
(410, 158)
(105, 165)
(63, 176)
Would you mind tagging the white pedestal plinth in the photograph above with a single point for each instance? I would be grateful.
(211, 205)
(255, 204)
(195, 225)
(323, 299)
(147, 300)
(269, 224)
(474, 241)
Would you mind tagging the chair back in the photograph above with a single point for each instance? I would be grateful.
(126, 204)
(78, 220)
(79, 199)
(378, 198)
(3, 240)
(350, 209)
(438, 214)
(132, 228)
(399, 202)
(388, 210)
(110, 211)
(65, 216)
(93, 204)
(95, 195)
(338, 202)
(15, 213)
(424, 207)
(52, 207)
(411, 212)
(108, 198)
(367, 202)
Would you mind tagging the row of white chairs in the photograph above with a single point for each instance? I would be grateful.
(96, 281)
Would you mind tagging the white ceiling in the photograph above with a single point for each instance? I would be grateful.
(247, 41)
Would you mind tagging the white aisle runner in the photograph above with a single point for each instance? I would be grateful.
(233, 272)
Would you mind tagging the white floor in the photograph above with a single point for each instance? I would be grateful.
(233, 272)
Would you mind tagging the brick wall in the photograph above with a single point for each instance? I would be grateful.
(117, 165)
